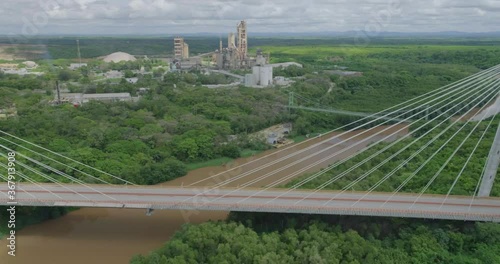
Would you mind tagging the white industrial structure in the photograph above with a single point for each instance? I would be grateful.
(75, 66)
(119, 57)
(262, 74)
(80, 98)
(286, 64)
(30, 64)
(249, 81)
(21, 72)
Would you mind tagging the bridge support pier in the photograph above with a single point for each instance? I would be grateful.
(491, 167)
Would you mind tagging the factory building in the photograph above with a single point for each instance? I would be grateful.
(178, 47)
(181, 49)
(231, 57)
(80, 98)
(185, 51)
(260, 60)
(186, 64)
(235, 56)
(228, 59)
(242, 40)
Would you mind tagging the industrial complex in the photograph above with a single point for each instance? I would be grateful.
(232, 57)
(235, 55)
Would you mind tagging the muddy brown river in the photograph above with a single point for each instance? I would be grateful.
(113, 236)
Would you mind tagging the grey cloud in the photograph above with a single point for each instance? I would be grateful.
(188, 16)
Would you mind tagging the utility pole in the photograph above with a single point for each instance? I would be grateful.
(79, 54)
(290, 102)
(58, 93)
(491, 167)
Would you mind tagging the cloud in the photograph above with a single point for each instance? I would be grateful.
(188, 16)
(151, 8)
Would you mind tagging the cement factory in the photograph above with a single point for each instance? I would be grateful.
(232, 57)
(235, 55)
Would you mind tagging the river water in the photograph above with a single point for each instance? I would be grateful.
(113, 236)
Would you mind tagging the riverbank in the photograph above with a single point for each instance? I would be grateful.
(40, 214)
(115, 235)
(112, 235)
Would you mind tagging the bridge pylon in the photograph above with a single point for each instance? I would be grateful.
(491, 167)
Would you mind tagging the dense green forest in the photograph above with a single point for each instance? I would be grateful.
(148, 141)
(282, 238)
(92, 47)
(421, 169)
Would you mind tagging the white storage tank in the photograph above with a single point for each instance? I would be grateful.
(266, 76)
(256, 75)
(249, 80)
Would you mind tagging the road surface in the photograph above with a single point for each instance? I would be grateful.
(258, 200)
(488, 112)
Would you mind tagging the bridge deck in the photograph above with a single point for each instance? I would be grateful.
(281, 201)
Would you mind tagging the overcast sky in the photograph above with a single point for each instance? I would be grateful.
(33, 17)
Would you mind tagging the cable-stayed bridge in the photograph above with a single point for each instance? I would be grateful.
(274, 200)
(322, 174)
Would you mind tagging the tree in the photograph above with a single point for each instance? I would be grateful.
(65, 75)
(230, 151)
(154, 173)
(129, 74)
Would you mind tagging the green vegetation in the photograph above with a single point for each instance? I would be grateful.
(391, 74)
(150, 141)
(466, 184)
(249, 153)
(178, 126)
(93, 47)
(275, 238)
(386, 79)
